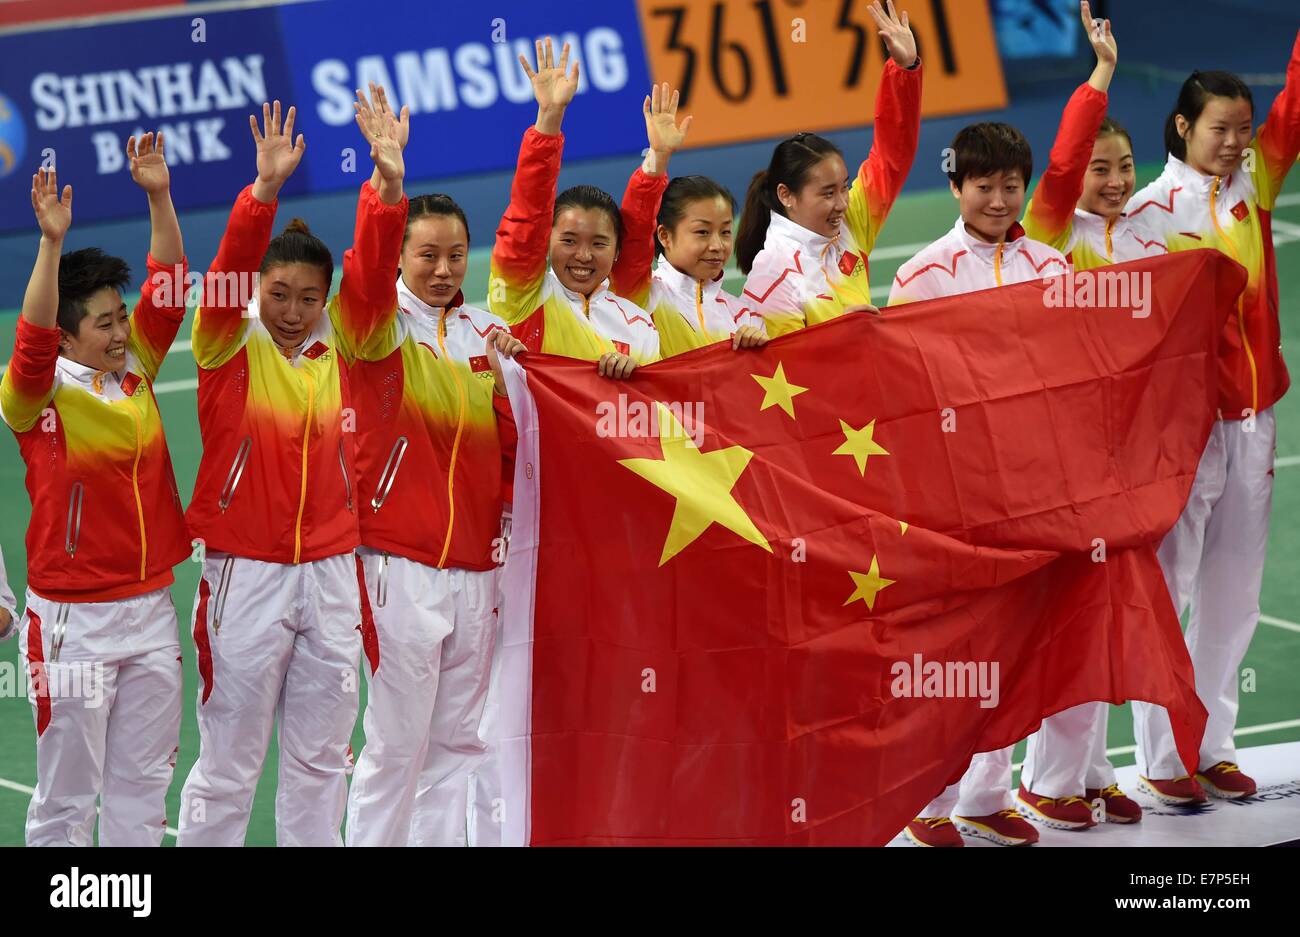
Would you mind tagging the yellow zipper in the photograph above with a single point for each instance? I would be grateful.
(1110, 252)
(460, 427)
(586, 306)
(1241, 315)
(135, 485)
(997, 263)
(699, 303)
(302, 491)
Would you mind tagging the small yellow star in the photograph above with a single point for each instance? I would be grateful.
(902, 528)
(777, 391)
(860, 444)
(701, 483)
(868, 585)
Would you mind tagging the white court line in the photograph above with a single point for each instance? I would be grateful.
(1286, 461)
(1280, 623)
(24, 789)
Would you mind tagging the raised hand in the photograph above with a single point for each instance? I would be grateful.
(384, 131)
(53, 214)
(553, 86)
(1098, 33)
(896, 32)
(148, 165)
(278, 154)
(662, 131)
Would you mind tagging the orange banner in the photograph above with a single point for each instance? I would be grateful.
(749, 69)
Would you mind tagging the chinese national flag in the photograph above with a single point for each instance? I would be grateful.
(710, 612)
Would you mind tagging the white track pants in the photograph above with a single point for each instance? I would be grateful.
(275, 641)
(456, 743)
(105, 686)
(427, 683)
(984, 789)
(1067, 755)
(1214, 560)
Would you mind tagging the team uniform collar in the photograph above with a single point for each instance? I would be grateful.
(1015, 240)
(408, 302)
(810, 242)
(678, 282)
(88, 377)
(1193, 180)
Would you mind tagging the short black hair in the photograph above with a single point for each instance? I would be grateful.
(82, 274)
(986, 148)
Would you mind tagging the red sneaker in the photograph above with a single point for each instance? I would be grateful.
(932, 831)
(1173, 792)
(1006, 828)
(1059, 813)
(1226, 781)
(1119, 807)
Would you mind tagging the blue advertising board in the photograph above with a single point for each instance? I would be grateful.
(75, 94)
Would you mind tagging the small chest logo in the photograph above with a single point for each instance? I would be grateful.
(479, 363)
(131, 383)
(848, 263)
(1240, 211)
(623, 348)
(318, 350)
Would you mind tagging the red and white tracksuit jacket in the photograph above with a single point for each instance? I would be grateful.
(432, 440)
(960, 263)
(800, 277)
(100, 636)
(524, 290)
(278, 620)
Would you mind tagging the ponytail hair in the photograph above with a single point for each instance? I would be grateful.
(792, 161)
(680, 193)
(297, 245)
(1192, 98)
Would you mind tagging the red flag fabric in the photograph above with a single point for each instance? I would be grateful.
(783, 596)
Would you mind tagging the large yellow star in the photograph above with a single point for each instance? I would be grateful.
(860, 444)
(777, 391)
(868, 585)
(700, 481)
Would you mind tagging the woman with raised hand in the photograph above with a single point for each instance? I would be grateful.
(1079, 208)
(99, 636)
(1218, 190)
(430, 496)
(553, 254)
(277, 618)
(806, 228)
(689, 224)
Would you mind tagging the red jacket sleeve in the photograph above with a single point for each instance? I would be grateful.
(159, 314)
(1049, 214)
(1278, 139)
(227, 288)
(28, 382)
(630, 277)
(519, 255)
(893, 148)
(367, 298)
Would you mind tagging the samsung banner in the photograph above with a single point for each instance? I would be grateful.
(73, 96)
